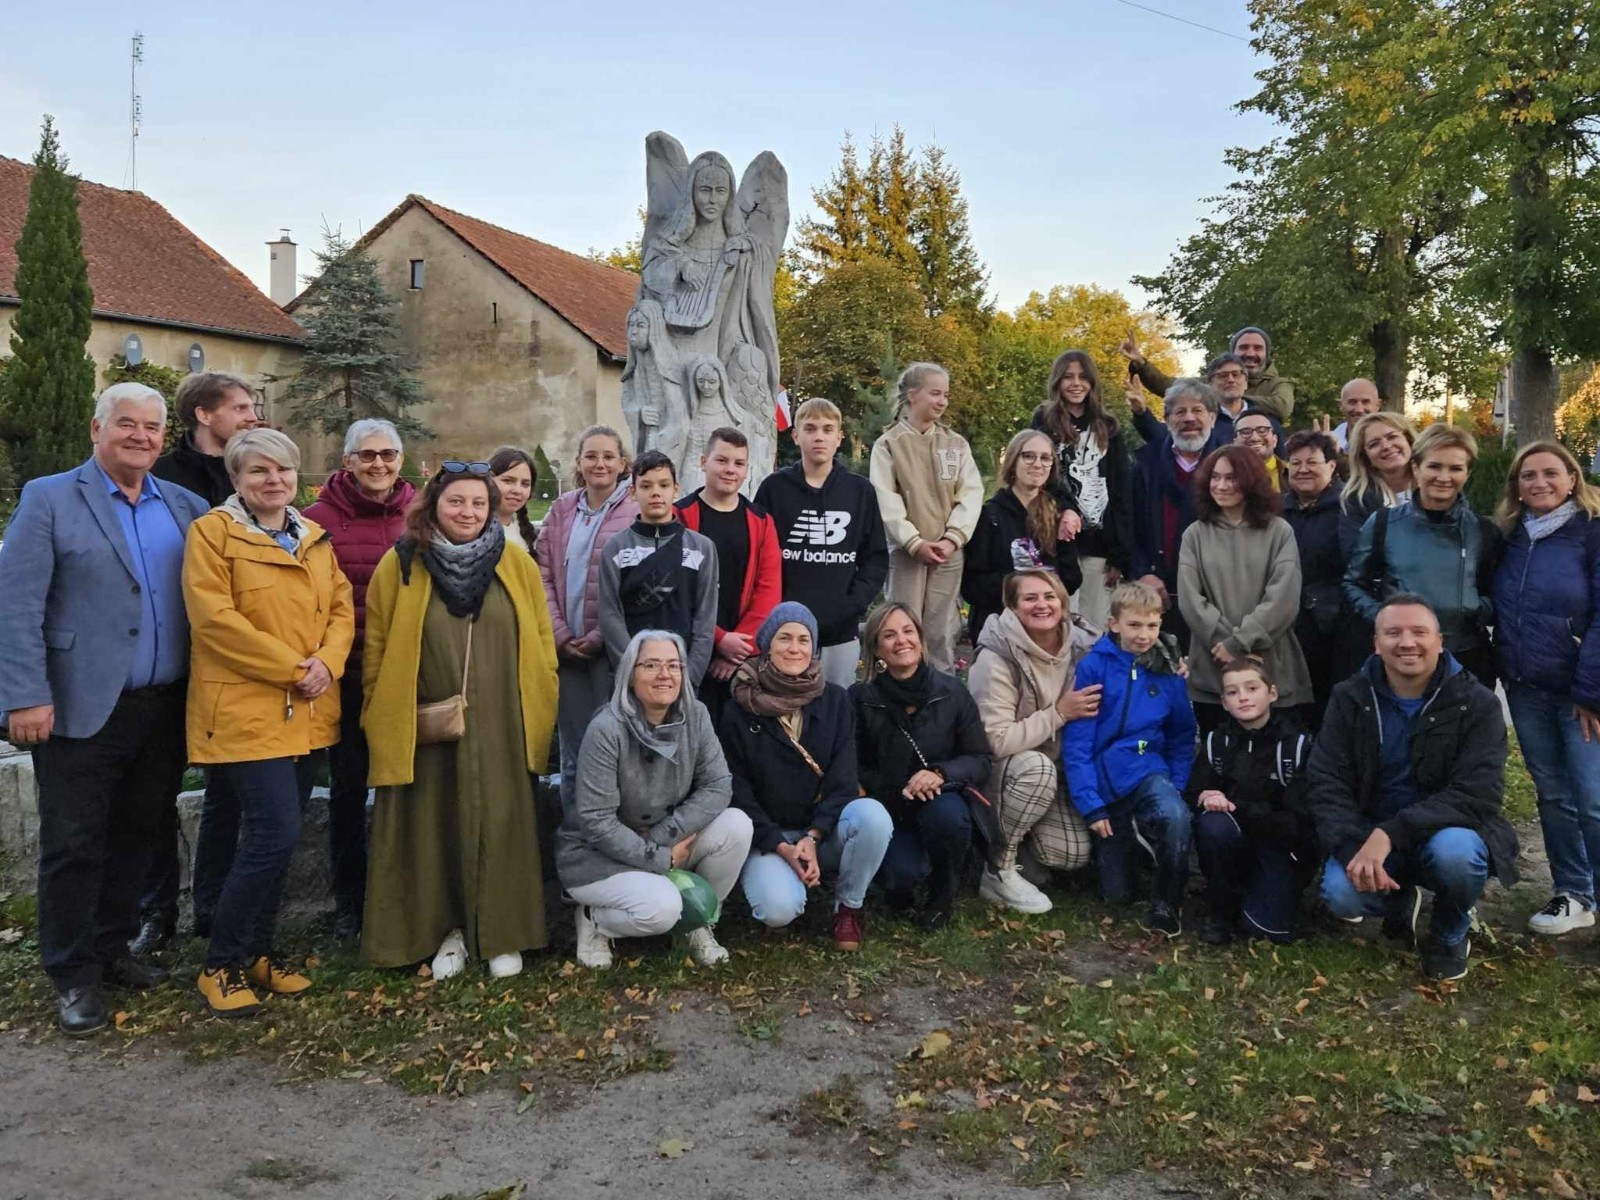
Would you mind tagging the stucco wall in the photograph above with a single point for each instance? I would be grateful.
(170, 348)
(499, 366)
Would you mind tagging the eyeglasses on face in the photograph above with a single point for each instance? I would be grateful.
(1258, 433)
(1034, 456)
(372, 456)
(1230, 373)
(660, 666)
(454, 466)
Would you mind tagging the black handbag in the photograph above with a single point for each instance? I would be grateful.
(985, 817)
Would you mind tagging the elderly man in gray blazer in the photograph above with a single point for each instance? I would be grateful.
(94, 658)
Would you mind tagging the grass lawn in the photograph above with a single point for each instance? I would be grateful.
(1069, 1045)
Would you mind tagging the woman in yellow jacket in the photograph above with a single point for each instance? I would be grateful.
(271, 622)
(453, 859)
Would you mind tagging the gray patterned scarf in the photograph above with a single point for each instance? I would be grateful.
(462, 572)
(1543, 527)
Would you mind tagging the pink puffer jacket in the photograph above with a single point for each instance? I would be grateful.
(362, 530)
(554, 535)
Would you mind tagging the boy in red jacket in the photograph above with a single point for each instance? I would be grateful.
(749, 559)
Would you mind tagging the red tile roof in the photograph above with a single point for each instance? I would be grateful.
(144, 265)
(591, 295)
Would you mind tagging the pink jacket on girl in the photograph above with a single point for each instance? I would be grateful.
(554, 534)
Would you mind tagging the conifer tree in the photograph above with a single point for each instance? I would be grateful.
(353, 366)
(953, 278)
(48, 394)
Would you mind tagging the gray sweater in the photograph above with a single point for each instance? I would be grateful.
(631, 803)
(1241, 586)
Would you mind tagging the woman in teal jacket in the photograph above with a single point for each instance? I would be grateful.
(1437, 547)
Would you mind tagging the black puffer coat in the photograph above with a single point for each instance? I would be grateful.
(947, 729)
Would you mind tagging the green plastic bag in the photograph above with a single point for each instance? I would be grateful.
(700, 903)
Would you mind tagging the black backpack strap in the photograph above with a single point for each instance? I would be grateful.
(1216, 751)
(1380, 538)
(1292, 754)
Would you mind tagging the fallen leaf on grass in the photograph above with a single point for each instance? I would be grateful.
(1537, 1097)
(1540, 1138)
(121, 1019)
(1561, 1188)
(936, 1042)
(526, 1104)
(674, 1147)
(10, 937)
(1585, 1096)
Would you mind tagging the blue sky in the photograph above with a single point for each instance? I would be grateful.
(1087, 132)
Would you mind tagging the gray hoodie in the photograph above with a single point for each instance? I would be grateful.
(640, 788)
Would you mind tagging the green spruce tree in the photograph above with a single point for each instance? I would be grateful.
(353, 366)
(48, 394)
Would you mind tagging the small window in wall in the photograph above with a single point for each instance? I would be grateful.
(416, 274)
(197, 359)
(494, 312)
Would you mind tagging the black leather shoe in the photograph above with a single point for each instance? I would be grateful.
(80, 1010)
(155, 934)
(135, 974)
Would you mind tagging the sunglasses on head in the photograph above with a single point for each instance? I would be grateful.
(454, 466)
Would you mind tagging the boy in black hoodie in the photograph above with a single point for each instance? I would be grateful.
(835, 558)
(1254, 832)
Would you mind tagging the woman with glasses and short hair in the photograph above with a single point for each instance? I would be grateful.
(460, 673)
(363, 508)
(1018, 530)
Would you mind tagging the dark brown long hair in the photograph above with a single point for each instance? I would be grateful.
(1056, 417)
(421, 521)
(1043, 516)
(1261, 503)
(501, 461)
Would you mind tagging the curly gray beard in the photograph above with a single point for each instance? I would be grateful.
(1191, 445)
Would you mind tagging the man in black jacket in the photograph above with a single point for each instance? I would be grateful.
(1406, 782)
(212, 407)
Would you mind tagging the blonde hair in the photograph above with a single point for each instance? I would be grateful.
(268, 443)
(1440, 436)
(1011, 589)
(1584, 494)
(1135, 595)
(599, 431)
(819, 408)
(875, 620)
(1362, 476)
(911, 379)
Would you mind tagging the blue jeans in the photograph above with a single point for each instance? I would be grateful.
(1453, 864)
(1566, 775)
(934, 842)
(214, 843)
(851, 853)
(1163, 823)
(270, 794)
(1254, 879)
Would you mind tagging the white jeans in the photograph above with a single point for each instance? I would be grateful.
(934, 594)
(1092, 600)
(839, 662)
(643, 904)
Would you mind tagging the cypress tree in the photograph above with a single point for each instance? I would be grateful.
(352, 366)
(48, 394)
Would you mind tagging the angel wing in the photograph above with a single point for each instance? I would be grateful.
(764, 201)
(747, 376)
(666, 180)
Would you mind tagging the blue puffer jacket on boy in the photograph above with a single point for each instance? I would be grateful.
(1547, 610)
(1145, 725)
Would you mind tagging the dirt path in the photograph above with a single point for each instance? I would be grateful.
(75, 1123)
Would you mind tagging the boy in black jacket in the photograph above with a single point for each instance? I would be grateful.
(1255, 834)
(835, 558)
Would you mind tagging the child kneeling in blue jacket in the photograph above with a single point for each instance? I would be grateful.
(1127, 767)
(1255, 833)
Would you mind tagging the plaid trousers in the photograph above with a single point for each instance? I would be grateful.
(1034, 805)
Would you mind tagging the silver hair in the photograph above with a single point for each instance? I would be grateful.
(368, 427)
(623, 702)
(127, 393)
(915, 376)
(267, 443)
(1190, 388)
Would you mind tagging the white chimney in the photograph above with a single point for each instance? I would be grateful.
(285, 282)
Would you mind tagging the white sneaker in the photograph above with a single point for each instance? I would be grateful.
(594, 947)
(503, 966)
(1008, 889)
(1563, 914)
(452, 957)
(704, 947)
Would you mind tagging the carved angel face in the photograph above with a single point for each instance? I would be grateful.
(706, 382)
(638, 331)
(712, 188)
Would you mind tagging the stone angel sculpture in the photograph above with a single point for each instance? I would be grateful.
(653, 401)
(710, 256)
(706, 382)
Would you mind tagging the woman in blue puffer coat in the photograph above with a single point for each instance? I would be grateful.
(1546, 603)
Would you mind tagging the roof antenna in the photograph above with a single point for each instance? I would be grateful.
(135, 111)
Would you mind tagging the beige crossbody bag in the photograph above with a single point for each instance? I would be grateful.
(446, 720)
